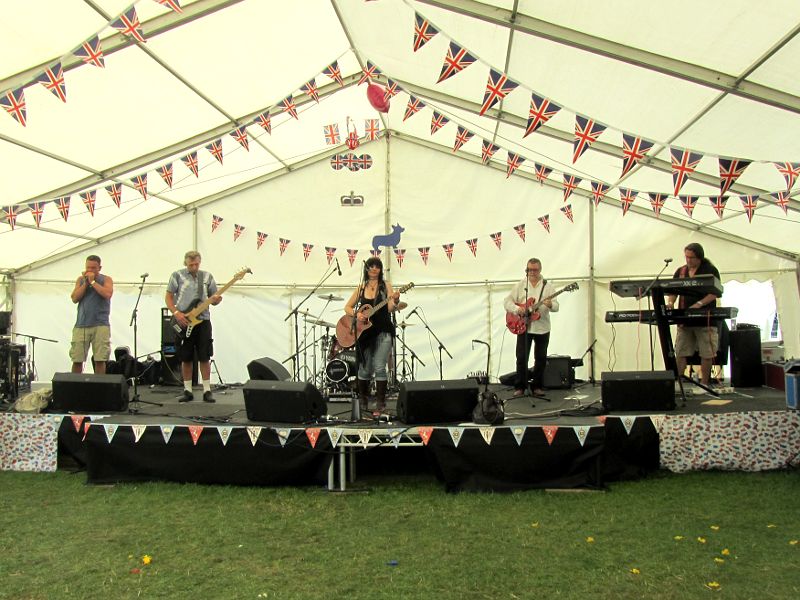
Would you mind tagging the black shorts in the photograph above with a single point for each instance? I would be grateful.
(199, 340)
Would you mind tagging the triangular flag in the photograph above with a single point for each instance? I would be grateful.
(110, 430)
(89, 198)
(730, 169)
(549, 432)
(570, 184)
(497, 88)
(91, 52)
(128, 24)
(657, 421)
(283, 435)
(195, 431)
(463, 135)
(545, 221)
(599, 191)
(513, 162)
(518, 431)
(364, 436)
(581, 432)
(684, 162)
(749, 204)
(224, 434)
(138, 431)
(634, 150)
(312, 433)
(487, 433)
(425, 434)
(627, 423)
(166, 432)
(423, 31)
(456, 433)
(53, 80)
(627, 196)
(253, 431)
(541, 111)
(718, 204)
(165, 171)
(456, 60)
(586, 133)
(335, 434)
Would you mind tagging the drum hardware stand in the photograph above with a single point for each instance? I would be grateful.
(405, 375)
(441, 345)
(32, 361)
(135, 399)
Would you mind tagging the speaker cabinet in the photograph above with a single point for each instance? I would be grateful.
(638, 390)
(267, 369)
(85, 393)
(558, 373)
(746, 370)
(282, 401)
(445, 401)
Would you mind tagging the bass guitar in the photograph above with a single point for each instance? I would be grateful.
(349, 329)
(519, 323)
(198, 306)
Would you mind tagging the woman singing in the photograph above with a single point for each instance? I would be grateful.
(374, 344)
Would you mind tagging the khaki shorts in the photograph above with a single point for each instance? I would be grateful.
(704, 340)
(98, 337)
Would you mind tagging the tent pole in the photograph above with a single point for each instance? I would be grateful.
(591, 330)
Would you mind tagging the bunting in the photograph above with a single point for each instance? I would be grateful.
(473, 246)
(424, 253)
(541, 172)
(37, 210)
(114, 191)
(599, 191)
(463, 135)
(586, 133)
(13, 101)
(730, 169)
(238, 230)
(570, 185)
(89, 198)
(195, 431)
(782, 200)
(375, 253)
(497, 88)
(261, 237)
(307, 250)
(215, 148)
(400, 254)
(688, 203)
(634, 150)
(289, 106)
(337, 162)
(369, 73)
(391, 90)
(657, 202)
(627, 196)
(332, 71)
(190, 160)
(438, 120)
(497, 238)
(718, 204)
(53, 79)
(240, 135)
(567, 210)
(423, 31)
(541, 111)
(520, 229)
(351, 255)
(216, 221)
(749, 205)
(413, 107)
(790, 171)
(128, 24)
(91, 53)
(457, 60)
(253, 432)
(487, 150)
(513, 162)
(140, 183)
(264, 121)
(173, 4)
(448, 250)
(11, 215)
(165, 171)
(684, 162)
(550, 432)
(283, 244)
(310, 89)
(330, 251)
(545, 221)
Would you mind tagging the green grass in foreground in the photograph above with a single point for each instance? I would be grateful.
(406, 538)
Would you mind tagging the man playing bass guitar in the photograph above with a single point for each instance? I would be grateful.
(524, 295)
(187, 288)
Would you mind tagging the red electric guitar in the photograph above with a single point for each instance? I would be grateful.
(519, 324)
(347, 333)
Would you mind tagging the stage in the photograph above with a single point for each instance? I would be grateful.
(563, 441)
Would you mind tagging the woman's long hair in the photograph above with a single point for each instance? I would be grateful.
(369, 263)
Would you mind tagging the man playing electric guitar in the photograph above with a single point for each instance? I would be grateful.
(187, 288)
(526, 293)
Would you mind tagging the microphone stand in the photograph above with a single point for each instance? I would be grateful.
(649, 308)
(355, 403)
(33, 338)
(135, 323)
(441, 345)
(590, 352)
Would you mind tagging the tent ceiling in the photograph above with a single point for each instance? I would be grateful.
(716, 77)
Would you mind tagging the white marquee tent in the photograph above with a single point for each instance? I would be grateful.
(710, 85)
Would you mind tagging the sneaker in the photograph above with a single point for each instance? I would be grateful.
(208, 397)
(518, 393)
(187, 396)
(539, 393)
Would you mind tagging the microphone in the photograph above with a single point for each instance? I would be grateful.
(408, 316)
(667, 260)
(338, 268)
(144, 275)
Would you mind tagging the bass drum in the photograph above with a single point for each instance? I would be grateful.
(342, 367)
(336, 349)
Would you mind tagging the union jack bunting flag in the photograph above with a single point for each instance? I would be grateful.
(790, 171)
(283, 244)
(782, 200)
(190, 160)
(718, 204)
(423, 31)
(448, 249)
(140, 183)
(63, 206)
(570, 184)
(541, 172)
(473, 246)
(216, 221)
(657, 202)
(684, 162)
(332, 71)
(487, 150)
(457, 60)
(310, 88)
(91, 52)
(540, 112)
(166, 173)
(14, 104)
(599, 191)
(240, 135)
(463, 135)
(53, 80)
(749, 204)
(497, 238)
(567, 210)
(513, 162)
(375, 253)
(729, 171)
(307, 250)
(350, 161)
(264, 121)
(37, 210)
(115, 193)
(337, 162)
(391, 90)
(215, 148)
(89, 198)
(634, 150)
(364, 161)
(545, 221)
(128, 24)
(627, 196)
(424, 253)
(586, 133)
(400, 254)
(175, 5)
(368, 73)
(414, 106)
(329, 253)
(331, 133)
(688, 203)
(520, 229)
(371, 129)
(11, 215)
(438, 120)
(261, 237)
(351, 255)
(498, 87)
(289, 106)
(237, 231)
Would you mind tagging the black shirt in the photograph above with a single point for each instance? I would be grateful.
(690, 297)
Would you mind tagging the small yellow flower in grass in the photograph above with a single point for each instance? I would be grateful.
(702, 540)
(678, 538)
(147, 559)
(590, 540)
(535, 524)
(771, 526)
(725, 552)
(719, 560)
(714, 527)
(793, 542)
(635, 571)
(713, 585)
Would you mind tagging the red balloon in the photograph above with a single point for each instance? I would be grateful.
(377, 97)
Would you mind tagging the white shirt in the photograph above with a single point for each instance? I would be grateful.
(538, 291)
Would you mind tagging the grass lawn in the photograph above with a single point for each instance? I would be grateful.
(668, 536)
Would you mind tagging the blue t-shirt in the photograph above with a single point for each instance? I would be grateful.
(93, 309)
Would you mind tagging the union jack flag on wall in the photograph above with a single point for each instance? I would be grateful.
(545, 221)
(351, 255)
(310, 88)
(128, 24)
(307, 250)
(329, 253)
(215, 148)
(473, 246)
(782, 200)
(190, 160)
(688, 203)
(448, 249)
(63, 206)
(627, 196)
(513, 162)
(216, 221)
(115, 193)
(14, 104)
(463, 135)
(264, 121)
(541, 171)
(237, 231)
(413, 107)
(424, 253)
(634, 150)
(332, 71)
(520, 229)
(37, 210)
(730, 169)
(331, 133)
(497, 88)
(53, 80)
(567, 210)
(438, 120)
(423, 31)
(657, 202)
(599, 191)
(261, 237)
(487, 150)
(371, 129)
(399, 255)
(11, 215)
(790, 171)
(240, 135)
(541, 111)
(570, 183)
(457, 60)
(586, 133)
(718, 204)
(165, 171)
(140, 183)
(684, 162)
(497, 238)
(89, 199)
(369, 73)
(91, 52)
(283, 244)
(749, 204)
(289, 106)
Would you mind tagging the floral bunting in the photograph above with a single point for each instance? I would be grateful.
(128, 24)
(749, 205)
(456, 60)
(497, 88)
(238, 230)
(89, 198)
(545, 221)
(448, 250)
(684, 162)
(634, 150)
(463, 135)
(487, 150)
(13, 101)
(541, 111)
(240, 135)
(438, 121)
(190, 160)
(423, 31)
(513, 162)
(599, 191)
(586, 133)
(413, 107)
(53, 79)
(216, 221)
(91, 53)
(627, 196)
(165, 171)
(718, 204)
(261, 237)
(730, 169)
(114, 191)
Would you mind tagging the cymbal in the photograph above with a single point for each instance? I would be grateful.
(306, 315)
(402, 305)
(405, 324)
(331, 298)
(320, 322)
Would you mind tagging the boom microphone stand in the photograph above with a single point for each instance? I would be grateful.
(135, 323)
(32, 369)
(441, 345)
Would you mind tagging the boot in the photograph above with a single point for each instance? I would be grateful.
(363, 393)
(380, 395)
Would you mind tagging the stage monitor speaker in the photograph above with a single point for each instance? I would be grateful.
(282, 401)
(638, 390)
(86, 393)
(746, 369)
(558, 373)
(267, 369)
(445, 401)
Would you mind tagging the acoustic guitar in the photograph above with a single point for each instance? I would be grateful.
(349, 329)
(519, 323)
(198, 306)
